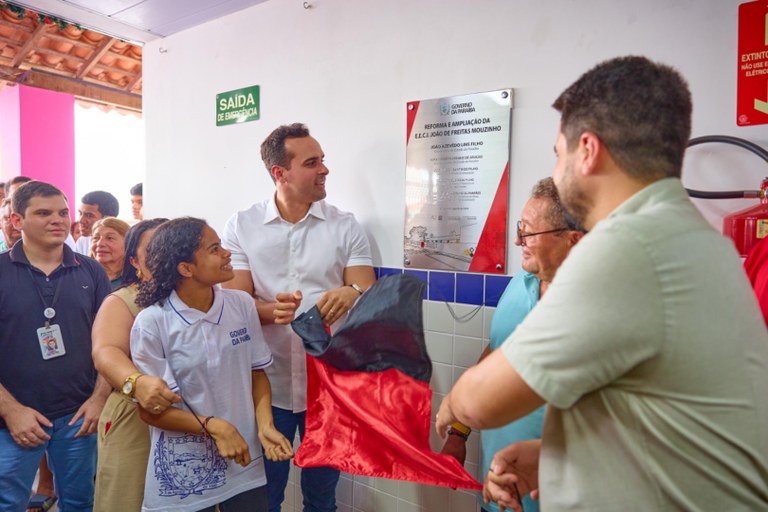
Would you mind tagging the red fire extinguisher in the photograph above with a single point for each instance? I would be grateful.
(749, 226)
(746, 227)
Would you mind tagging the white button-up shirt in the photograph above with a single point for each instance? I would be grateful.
(310, 256)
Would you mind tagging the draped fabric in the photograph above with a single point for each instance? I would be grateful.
(384, 330)
(368, 396)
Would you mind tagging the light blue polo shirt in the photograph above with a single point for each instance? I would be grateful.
(519, 298)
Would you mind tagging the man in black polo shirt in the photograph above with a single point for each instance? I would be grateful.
(50, 397)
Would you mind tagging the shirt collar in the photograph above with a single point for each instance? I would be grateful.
(271, 212)
(19, 256)
(661, 191)
(191, 316)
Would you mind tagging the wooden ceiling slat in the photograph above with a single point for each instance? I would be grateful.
(29, 45)
(80, 88)
(10, 74)
(114, 69)
(57, 53)
(125, 57)
(132, 83)
(12, 42)
(25, 57)
(74, 42)
(98, 53)
(17, 26)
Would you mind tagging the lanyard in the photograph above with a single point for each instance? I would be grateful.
(49, 312)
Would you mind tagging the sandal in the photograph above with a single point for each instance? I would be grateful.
(41, 502)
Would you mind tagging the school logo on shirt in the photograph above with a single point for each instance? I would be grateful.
(188, 464)
(240, 336)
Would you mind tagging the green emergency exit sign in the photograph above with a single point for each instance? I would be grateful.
(238, 106)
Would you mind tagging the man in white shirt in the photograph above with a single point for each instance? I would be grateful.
(93, 206)
(296, 241)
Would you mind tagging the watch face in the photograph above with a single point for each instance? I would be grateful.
(127, 388)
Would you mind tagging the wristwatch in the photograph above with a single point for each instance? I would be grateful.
(357, 288)
(129, 385)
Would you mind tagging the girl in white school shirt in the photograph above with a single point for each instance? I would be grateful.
(207, 344)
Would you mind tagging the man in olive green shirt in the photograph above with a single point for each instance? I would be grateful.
(649, 347)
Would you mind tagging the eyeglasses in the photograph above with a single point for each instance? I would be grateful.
(522, 236)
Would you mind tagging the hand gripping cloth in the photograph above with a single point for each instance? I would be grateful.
(368, 396)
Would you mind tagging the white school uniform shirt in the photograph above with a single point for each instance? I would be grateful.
(207, 358)
(310, 256)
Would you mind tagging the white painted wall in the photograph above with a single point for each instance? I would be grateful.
(347, 68)
(99, 136)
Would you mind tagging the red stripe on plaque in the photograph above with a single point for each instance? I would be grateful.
(410, 113)
(492, 247)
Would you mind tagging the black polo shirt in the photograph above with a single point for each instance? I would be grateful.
(59, 386)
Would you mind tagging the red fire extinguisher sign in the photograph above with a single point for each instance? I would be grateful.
(752, 83)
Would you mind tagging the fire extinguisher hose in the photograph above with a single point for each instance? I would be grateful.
(736, 141)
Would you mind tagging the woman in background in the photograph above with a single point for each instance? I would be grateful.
(108, 247)
(123, 439)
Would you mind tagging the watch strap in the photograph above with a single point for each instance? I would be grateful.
(132, 378)
(357, 288)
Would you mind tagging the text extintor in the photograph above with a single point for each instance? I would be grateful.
(752, 83)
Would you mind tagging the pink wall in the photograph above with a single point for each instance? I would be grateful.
(10, 146)
(47, 136)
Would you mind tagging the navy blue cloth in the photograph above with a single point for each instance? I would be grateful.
(384, 330)
(59, 386)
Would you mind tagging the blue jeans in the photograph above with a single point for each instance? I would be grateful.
(72, 461)
(318, 485)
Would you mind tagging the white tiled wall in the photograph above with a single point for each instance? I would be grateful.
(453, 346)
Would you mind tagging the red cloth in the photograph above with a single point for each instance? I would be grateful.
(374, 424)
(756, 266)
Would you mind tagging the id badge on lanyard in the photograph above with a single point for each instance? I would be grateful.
(51, 342)
(49, 336)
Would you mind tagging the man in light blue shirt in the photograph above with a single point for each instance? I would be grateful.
(546, 235)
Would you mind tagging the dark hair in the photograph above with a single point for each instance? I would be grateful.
(273, 148)
(641, 110)
(557, 216)
(31, 189)
(174, 242)
(107, 203)
(15, 180)
(132, 241)
(137, 189)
